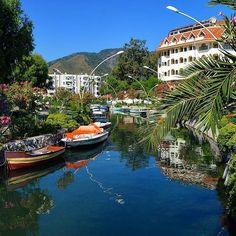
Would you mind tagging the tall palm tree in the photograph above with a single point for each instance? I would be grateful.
(207, 91)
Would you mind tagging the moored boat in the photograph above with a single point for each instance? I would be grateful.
(103, 124)
(22, 159)
(85, 135)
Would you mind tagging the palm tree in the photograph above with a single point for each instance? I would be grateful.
(206, 93)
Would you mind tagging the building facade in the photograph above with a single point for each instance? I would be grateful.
(76, 83)
(186, 44)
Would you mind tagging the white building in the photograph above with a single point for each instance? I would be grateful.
(76, 83)
(186, 44)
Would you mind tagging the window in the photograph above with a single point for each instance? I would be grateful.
(172, 61)
(190, 58)
(176, 61)
(215, 45)
(203, 47)
(183, 38)
(174, 40)
(201, 34)
(176, 72)
(181, 60)
(191, 37)
(181, 49)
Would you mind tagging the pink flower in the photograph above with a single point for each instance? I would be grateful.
(5, 120)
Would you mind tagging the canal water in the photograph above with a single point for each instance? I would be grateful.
(118, 188)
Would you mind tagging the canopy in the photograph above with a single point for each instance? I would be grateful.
(85, 129)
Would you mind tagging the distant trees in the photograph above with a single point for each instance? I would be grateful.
(131, 62)
(16, 40)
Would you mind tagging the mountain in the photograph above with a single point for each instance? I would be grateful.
(85, 62)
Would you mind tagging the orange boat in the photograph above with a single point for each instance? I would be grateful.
(21, 159)
(85, 135)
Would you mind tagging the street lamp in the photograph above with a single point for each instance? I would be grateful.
(174, 9)
(140, 85)
(148, 68)
(89, 77)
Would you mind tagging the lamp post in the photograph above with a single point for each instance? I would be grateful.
(140, 85)
(148, 68)
(174, 9)
(89, 77)
(111, 88)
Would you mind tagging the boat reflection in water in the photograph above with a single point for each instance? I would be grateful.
(20, 178)
(188, 162)
(76, 160)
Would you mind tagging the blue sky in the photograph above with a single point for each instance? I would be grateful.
(64, 27)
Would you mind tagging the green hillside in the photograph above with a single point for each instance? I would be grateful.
(85, 62)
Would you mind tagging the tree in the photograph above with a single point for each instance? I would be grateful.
(131, 62)
(16, 39)
(205, 94)
(62, 98)
(34, 69)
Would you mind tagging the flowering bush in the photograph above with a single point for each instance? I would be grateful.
(5, 120)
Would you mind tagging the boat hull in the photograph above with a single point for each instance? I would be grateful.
(18, 160)
(86, 141)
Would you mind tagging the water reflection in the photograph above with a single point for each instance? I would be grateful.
(94, 185)
(182, 157)
(20, 210)
(126, 137)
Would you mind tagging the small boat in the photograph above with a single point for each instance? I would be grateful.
(22, 159)
(104, 125)
(85, 135)
(138, 111)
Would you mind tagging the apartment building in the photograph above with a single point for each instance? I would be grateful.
(186, 44)
(75, 83)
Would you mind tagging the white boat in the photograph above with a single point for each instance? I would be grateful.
(138, 110)
(85, 135)
(103, 125)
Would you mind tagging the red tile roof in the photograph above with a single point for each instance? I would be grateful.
(217, 31)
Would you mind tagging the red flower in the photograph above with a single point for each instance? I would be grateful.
(5, 120)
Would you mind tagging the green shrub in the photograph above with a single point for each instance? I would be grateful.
(231, 189)
(227, 137)
(61, 121)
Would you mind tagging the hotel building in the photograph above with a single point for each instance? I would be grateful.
(75, 83)
(186, 44)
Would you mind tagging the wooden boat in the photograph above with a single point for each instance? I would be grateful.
(22, 159)
(85, 135)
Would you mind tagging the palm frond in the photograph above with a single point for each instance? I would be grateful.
(199, 98)
(229, 3)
